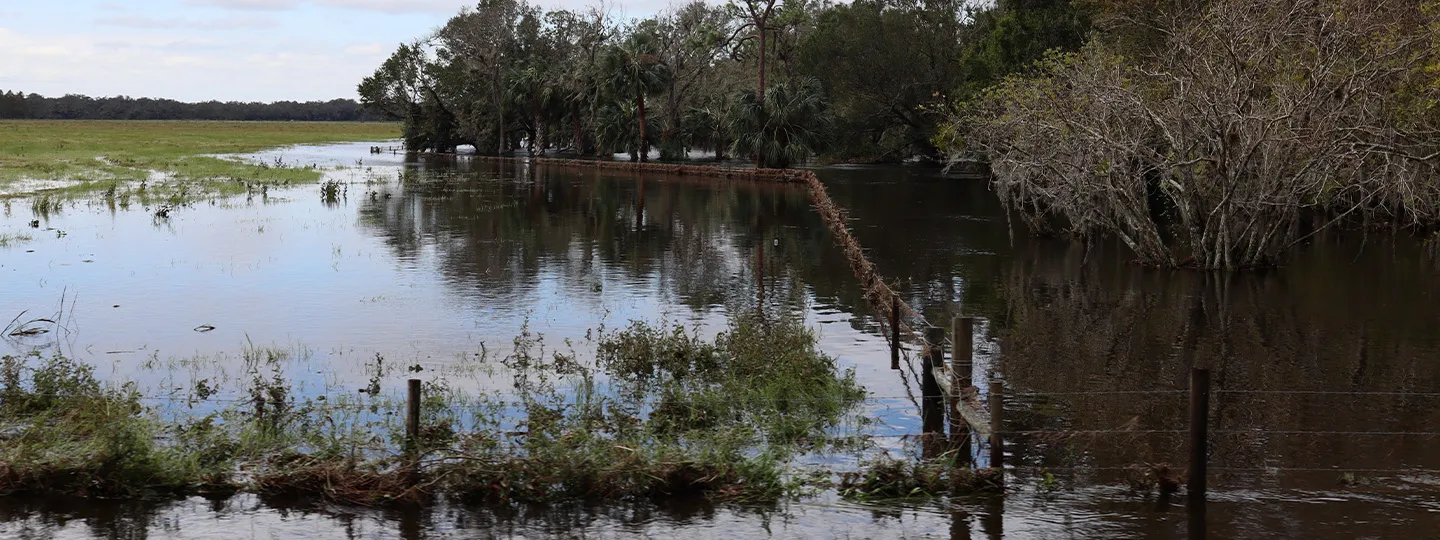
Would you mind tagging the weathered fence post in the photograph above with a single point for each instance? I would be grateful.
(997, 417)
(932, 408)
(962, 361)
(1199, 443)
(936, 353)
(412, 414)
(894, 331)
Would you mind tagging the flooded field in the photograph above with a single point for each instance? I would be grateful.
(1325, 370)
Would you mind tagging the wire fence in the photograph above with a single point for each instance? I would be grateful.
(899, 417)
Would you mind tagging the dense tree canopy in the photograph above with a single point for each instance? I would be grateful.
(869, 80)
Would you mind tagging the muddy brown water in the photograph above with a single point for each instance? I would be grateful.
(424, 261)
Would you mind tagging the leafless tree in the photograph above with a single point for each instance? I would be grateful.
(1257, 113)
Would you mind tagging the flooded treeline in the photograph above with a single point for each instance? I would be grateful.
(764, 81)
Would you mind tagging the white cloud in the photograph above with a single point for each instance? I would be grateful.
(399, 6)
(196, 50)
(186, 69)
(183, 60)
(178, 23)
(384, 6)
(266, 5)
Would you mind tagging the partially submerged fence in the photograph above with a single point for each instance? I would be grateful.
(948, 390)
(898, 320)
(895, 316)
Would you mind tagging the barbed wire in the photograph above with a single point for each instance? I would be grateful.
(1092, 432)
(1179, 467)
(1096, 393)
(909, 396)
(1322, 432)
(1331, 393)
(240, 398)
(1319, 469)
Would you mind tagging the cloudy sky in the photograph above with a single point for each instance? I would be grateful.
(195, 50)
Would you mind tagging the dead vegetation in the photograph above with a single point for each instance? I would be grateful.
(1256, 124)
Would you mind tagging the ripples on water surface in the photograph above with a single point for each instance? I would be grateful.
(424, 262)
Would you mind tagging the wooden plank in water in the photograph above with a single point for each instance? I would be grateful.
(967, 402)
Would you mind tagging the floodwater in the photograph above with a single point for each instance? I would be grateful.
(1326, 371)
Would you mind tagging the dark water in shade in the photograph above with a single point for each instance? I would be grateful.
(423, 262)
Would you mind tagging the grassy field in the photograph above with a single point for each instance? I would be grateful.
(75, 157)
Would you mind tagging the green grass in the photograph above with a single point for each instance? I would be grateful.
(81, 157)
(720, 420)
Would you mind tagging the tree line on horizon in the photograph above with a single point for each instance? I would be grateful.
(1217, 134)
(772, 81)
(18, 105)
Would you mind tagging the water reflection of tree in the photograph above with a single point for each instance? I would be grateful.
(498, 226)
(938, 238)
(498, 229)
(1327, 322)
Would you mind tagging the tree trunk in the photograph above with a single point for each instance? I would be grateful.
(499, 115)
(670, 120)
(759, 157)
(761, 29)
(644, 144)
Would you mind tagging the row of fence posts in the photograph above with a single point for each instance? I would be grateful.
(962, 367)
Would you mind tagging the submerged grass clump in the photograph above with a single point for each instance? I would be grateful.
(890, 479)
(13, 239)
(661, 413)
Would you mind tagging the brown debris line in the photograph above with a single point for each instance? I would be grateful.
(876, 291)
(310, 477)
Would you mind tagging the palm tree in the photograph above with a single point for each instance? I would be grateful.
(615, 129)
(705, 128)
(530, 90)
(785, 128)
(636, 71)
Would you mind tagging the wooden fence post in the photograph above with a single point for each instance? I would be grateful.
(997, 416)
(936, 353)
(1199, 443)
(412, 414)
(962, 361)
(932, 399)
(894, 331)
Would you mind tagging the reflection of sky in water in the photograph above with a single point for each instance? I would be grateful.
(417, 278)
